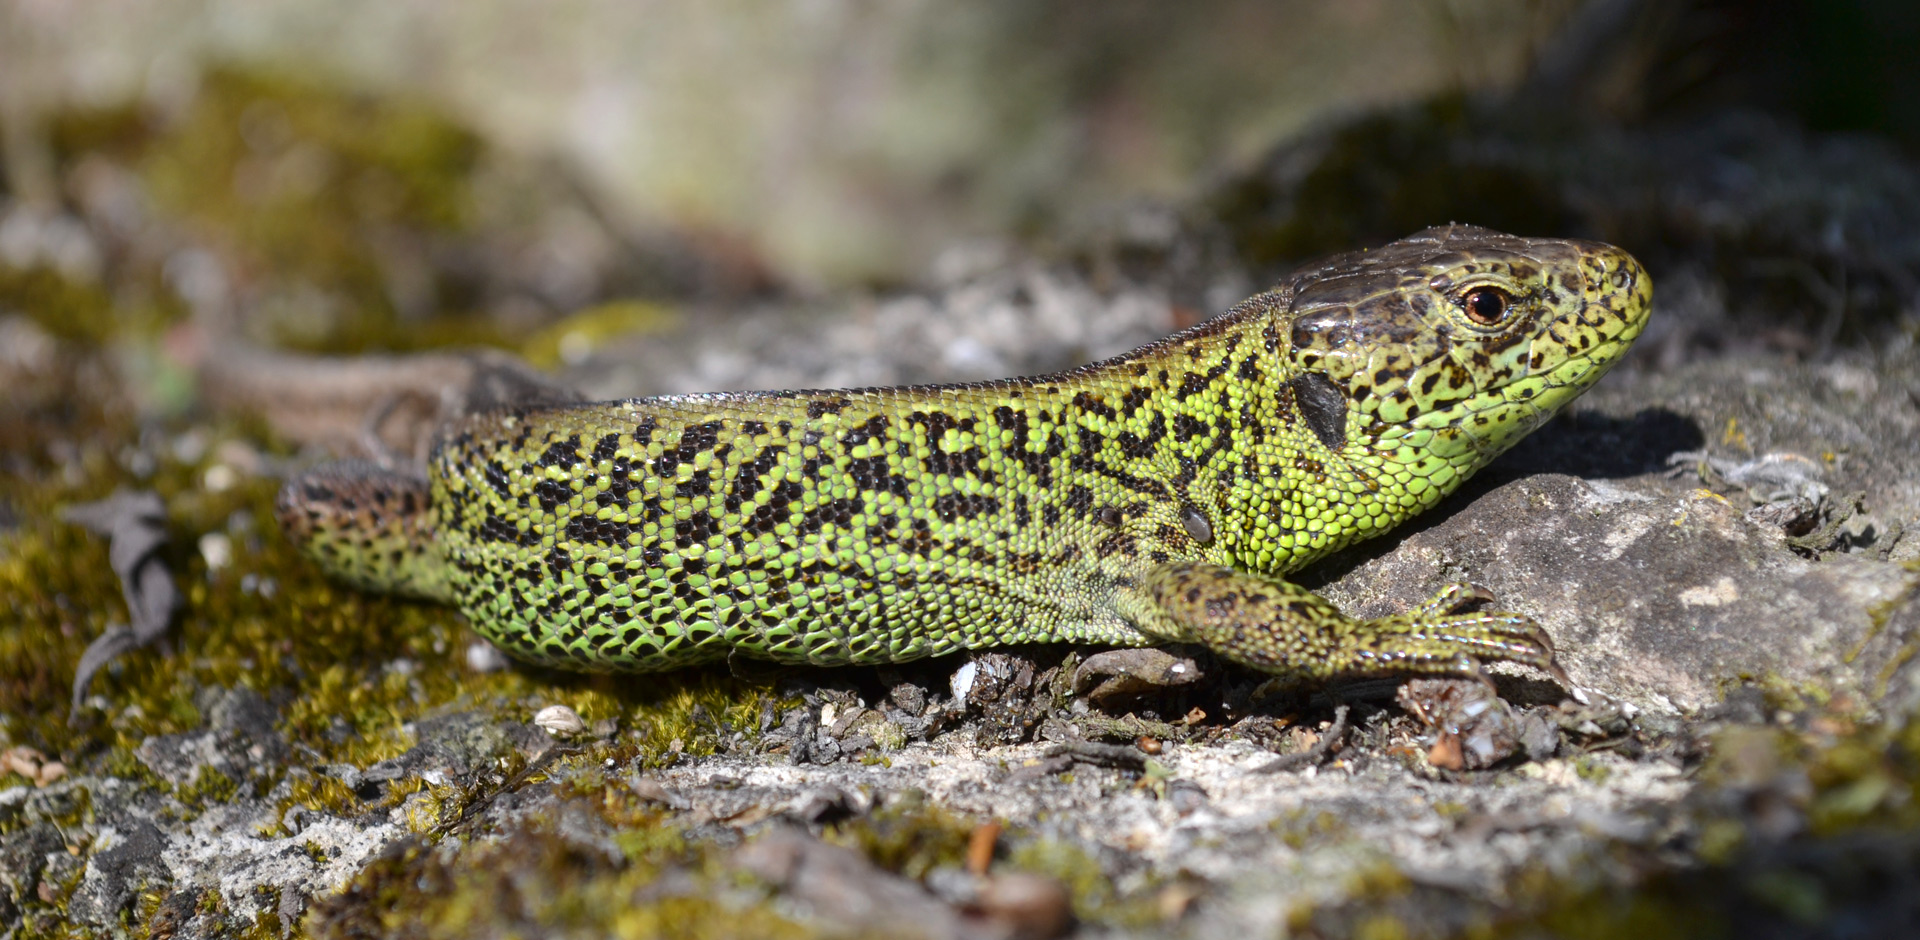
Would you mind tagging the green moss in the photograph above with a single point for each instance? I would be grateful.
(209, 787)
(1852, 781)
(63, 307)
(1380, 927)
(322, 793)
(66, 807)
(1783, 694)
(1592, 769)
(1308, 825)
(1095, 898)
(577, 334)
(694, 714)
(1879, 615)
(533, 881)
(1647, 914)
(909, 837)
(352, 673)
(331, 195)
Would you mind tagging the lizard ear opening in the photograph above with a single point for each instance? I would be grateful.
(1323, 405)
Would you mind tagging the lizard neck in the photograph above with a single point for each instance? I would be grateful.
(1219, 422)
(1208, 437)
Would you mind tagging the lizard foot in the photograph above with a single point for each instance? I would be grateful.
(1442, 636)
(1281, 628)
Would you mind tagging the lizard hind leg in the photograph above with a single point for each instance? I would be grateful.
(368, 526)
(1281, 628)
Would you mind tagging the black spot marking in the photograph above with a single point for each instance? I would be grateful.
(590, 529)
(1195, 522)
(1191, 383)
(954, 506)
(496, 476)
(838, 512)
(699, 484)
(698, 438)
(1136, 447)
(1086, 402)
(552, 494)
(826, 406)
(564, 455)
(1185, 427)
(875, 428)
(497, 529)
(1323, 405)
(1079, 499)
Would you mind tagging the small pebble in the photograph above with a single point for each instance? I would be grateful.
(1186, 797)
(219, 478)
(484, 658)
(962, 681)
(980, 847)
(1026, 905)
(217, 549)
(559, 721)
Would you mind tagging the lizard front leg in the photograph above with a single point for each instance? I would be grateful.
(1281, 628)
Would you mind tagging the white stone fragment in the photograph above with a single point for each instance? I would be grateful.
(559, 721)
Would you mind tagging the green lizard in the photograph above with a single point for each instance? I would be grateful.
(1156, 497)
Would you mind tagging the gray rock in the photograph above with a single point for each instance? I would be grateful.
(23, 856)
(1656, 594)
(1855, 417)
(115, 875)
(239, 740)
(842, 890)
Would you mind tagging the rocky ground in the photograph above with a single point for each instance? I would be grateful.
(1723, 538)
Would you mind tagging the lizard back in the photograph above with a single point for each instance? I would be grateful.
(885, 524)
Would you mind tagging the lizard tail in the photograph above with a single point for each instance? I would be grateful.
(368, 526)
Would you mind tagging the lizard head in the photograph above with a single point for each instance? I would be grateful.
(1427, 358)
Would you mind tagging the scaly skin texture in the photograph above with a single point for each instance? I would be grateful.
(1155, 497)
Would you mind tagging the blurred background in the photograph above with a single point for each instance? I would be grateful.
(232, 230)
(197, 196)
(827, 141)
(551, 178)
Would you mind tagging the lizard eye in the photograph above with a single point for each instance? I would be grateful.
(1486, 305)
